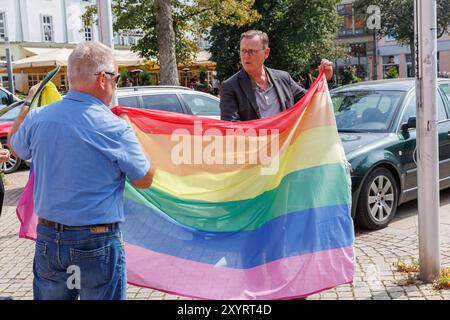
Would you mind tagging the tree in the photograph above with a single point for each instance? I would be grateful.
(300, 33)
(392, 73)
(350, 76)
(397, 19)
(166, 42)
(190, 20)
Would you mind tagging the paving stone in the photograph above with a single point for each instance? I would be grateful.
(375, 277)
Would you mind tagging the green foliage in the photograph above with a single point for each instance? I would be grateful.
(350, 76)
(144, 78)
(300, 33)
(190, 21)
(443, 282)
(392, 73)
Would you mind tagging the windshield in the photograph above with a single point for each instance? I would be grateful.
(11, 115)
(366, 111)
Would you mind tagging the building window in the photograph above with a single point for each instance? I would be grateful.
(346, 12)
(185, 78)
(357, 49)
(353, 23)
(35, 79)
(88, 33)
(47, 28)
(409, 70)
(5, 82)
(63, 82)
(2, 26)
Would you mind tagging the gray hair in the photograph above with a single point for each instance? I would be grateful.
(253, 33)
(87, 59)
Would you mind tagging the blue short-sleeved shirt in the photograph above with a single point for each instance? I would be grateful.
(81, 154)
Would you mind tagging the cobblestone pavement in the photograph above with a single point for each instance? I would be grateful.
(376, 253)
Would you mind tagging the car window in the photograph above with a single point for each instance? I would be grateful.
(202, 106)
(11, 114)
(445, 87)
(410, 110)
(165, 102)
(131, 102)
(366, 110)
(4, 98)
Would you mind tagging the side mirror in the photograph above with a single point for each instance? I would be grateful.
(410, 124)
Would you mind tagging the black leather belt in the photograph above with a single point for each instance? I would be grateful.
(95, 228)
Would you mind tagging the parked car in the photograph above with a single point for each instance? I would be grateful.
(170, 98)
(6, 98)
(376, 121)
(6, 122)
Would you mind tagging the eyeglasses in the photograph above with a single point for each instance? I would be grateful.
(116, 75)
(250, 52)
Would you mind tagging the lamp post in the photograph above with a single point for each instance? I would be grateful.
(375, 55)
(374, 23)
(427, 139)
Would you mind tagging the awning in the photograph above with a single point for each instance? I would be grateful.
(50, 57)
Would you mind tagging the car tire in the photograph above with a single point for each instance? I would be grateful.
(378, 199)
(11, 165)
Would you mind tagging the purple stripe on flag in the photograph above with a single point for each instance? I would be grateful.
(25, 211)
(292, 277)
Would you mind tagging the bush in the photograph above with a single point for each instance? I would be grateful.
(392, 73)
(350, 76)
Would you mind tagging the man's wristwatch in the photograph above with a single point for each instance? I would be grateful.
(27, 103)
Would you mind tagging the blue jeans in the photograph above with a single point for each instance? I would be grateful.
(86, 263)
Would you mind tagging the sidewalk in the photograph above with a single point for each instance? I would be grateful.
(376, 252)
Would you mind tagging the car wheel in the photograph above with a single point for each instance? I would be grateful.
(377, 203)
(12, 164)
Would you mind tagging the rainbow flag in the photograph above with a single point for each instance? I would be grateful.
(241, 210)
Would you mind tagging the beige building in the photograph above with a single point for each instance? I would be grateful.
(42, 33)
(388, 54)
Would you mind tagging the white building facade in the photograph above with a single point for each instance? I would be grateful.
(37, 26)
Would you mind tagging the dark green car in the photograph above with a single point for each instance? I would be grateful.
(376, 123)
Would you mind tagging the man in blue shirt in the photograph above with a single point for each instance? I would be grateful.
(81, 155)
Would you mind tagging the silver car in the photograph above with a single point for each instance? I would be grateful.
(170, 98)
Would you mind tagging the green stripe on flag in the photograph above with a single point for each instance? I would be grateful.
(304, 189)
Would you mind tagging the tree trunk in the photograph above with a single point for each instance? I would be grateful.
(166, 43)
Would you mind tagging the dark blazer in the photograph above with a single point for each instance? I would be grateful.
(238, 99)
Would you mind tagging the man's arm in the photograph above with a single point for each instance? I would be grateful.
(16, 125)
(328, 66)
(133, 162)
(146, 181)
(22, 115)
(228, 104)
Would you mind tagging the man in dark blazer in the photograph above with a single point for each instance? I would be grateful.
(256, 91)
